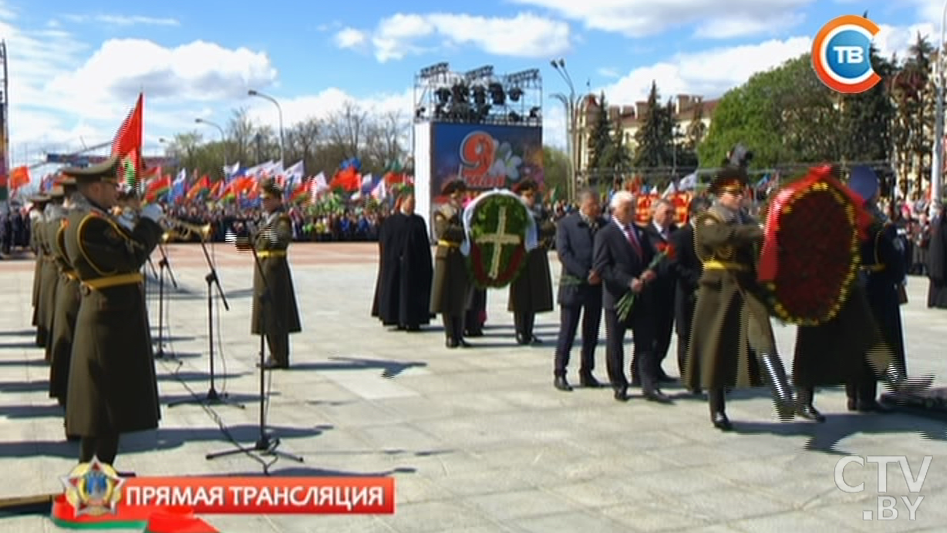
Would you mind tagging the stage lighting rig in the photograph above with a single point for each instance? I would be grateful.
(478, 96)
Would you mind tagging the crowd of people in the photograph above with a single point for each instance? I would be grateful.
(707, 292)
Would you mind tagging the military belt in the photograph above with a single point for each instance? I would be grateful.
(271, 253)
(448, 244)
(113, 281)
(713, 264)
(71, 274)
(872, 268)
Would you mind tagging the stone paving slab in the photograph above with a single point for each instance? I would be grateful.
(478, 440)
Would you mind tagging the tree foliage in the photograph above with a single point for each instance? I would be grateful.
(322, 144)
(655, 138)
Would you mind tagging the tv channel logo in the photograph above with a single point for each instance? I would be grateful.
(841, 54)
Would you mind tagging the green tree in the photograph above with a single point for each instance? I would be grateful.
(865, 125)
(555, 170)
(912, 93)
(654, 139)
(782, 115)
(600, 137)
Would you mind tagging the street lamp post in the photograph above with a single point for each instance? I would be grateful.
(570, 104)
(253, 92)
(223, 135)
(937, 162)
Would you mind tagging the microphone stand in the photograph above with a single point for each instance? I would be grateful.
(163, 265)
(213, 281)
(266, 445)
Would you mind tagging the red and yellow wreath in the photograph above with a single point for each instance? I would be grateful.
(810, 254)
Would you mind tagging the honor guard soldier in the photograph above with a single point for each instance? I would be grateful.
(49, 276)
(449, 297)
(67, 297)
(112, 385)
(731, 325)
(882, 272)
(531, 291)
(275, 313)
(36, 243)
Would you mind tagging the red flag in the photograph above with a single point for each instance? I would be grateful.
(128, 140)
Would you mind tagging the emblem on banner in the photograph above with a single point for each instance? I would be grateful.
(93, 489)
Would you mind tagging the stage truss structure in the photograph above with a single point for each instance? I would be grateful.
(478, 96)
(4, 124)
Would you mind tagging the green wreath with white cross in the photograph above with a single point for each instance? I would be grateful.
(497, 240)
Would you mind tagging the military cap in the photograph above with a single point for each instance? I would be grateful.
(39, 199)
(526, 186)
(104, 171)
(729, 180)
(454, 186)
(269, 189)
(57, 192)
(864, 182)
(68, 184)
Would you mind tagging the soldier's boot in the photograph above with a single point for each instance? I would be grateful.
(851, 391)
(772, 367)
(458, 328)
(718, 415)
(898, 382)
(804, 406)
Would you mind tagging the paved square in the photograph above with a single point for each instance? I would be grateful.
(478, 439)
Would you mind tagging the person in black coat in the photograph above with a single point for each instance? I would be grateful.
(580, 289)
(622, 255)
(882, 271)
(937, 263)
(662, 289)
(686, 269)
(405, 270)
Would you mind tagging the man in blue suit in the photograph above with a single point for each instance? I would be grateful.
(580, 289)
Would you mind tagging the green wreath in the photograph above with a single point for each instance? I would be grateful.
(497, 241)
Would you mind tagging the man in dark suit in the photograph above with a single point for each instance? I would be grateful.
(686, 269)
(621, 255)
(662, 289)
(580, 289)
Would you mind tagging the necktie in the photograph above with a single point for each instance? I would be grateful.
(633, 239)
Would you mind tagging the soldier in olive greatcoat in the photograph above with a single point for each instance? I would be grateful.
(275, 312)
(67, 299)
(36, 244)
(451, 290)
(49, 273)
(112, 385)
(732, 343)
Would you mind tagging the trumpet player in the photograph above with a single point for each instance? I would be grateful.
(112, 385)
(275, 314)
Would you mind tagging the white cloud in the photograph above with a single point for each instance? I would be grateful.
(122, 20)
(898, 39)
(609, 72)
(525, 35)
(350, 38)
(639, 18)
(709, 73)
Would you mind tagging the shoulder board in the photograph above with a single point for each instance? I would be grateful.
(709, 217)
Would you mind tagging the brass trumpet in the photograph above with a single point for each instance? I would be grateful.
(184, 230)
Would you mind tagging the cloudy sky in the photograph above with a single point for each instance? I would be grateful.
(75, 69)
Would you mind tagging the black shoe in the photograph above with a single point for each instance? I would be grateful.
(872, 406)
(451, 343)
(412, 329)
(464, 344)
(272, 364)
(521, 339)
(474, 333)
(588, 380)
(561, 384)
(534, 340)
(655, 395)
(621, 394)
(852, 404)
(809, 412)
(721, 421)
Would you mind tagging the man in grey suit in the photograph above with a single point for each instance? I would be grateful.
(580, 289)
